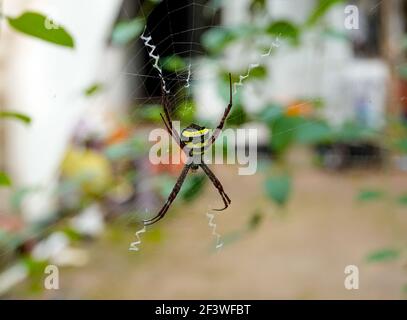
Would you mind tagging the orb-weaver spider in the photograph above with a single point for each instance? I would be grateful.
(194, 142)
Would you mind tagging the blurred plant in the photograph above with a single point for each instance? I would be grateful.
(16, 116)
(4, 180)
(34, 24)
(383, 255)
(126, 31)
(370, 195)
(278, 188)
(93, 89)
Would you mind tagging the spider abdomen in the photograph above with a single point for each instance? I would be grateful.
(196, 138)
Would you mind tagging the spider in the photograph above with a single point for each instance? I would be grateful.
(194, 142)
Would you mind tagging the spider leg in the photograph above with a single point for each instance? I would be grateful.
(168, 121)
(171, 197)
(173, 133)
(219, 128)
(218, 185)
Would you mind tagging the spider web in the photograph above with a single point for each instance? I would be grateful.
(165, 36)
(161, 39)
(177, 40)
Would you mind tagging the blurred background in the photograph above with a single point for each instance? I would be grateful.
(324, 82)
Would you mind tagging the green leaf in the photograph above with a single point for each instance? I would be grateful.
(401, 145)
(192, 187)
(313, 132)
(284, 29)
(35, 24)
(321, 8)
(93, 89)
(127, 31)
(351, 132)
(173, 63)
(185, 111)
(34, 267)
(154, 235)
(278, 188)
(216, 39)
(5, 181)
(255, 221)
(131, 148)
(150, 112)
(270, 113)
(259, 72)
(238, 115)
(15, 115)
(403, 199)
(383, 255)
(369, 195)
(257, 5)
(283, 132)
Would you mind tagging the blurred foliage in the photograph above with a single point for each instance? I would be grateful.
(278, 188)
(216, 40)
(402, 199)
(285, 29)
(313, 132)
(5, 180)
(126, 31)
(35, 270)
(131, 148)
(16, 116)
(255, 221)
(186, 111)
(173, 63)
(370, 195)
(283, 132)
(259, 72)
(149, 112)
(383, 255)
(401, 145)
(93, 89)
(321, 8)
(193, 186)
(190, 190)
(257, 5)
(35, 24)
(153, 236)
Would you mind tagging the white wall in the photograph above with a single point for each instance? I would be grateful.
(47, 83)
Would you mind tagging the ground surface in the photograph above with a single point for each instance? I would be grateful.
(298, 253)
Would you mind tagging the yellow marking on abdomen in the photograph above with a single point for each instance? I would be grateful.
(197, 145)
(195, 133)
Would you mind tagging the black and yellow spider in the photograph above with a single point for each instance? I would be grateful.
(194, 142)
